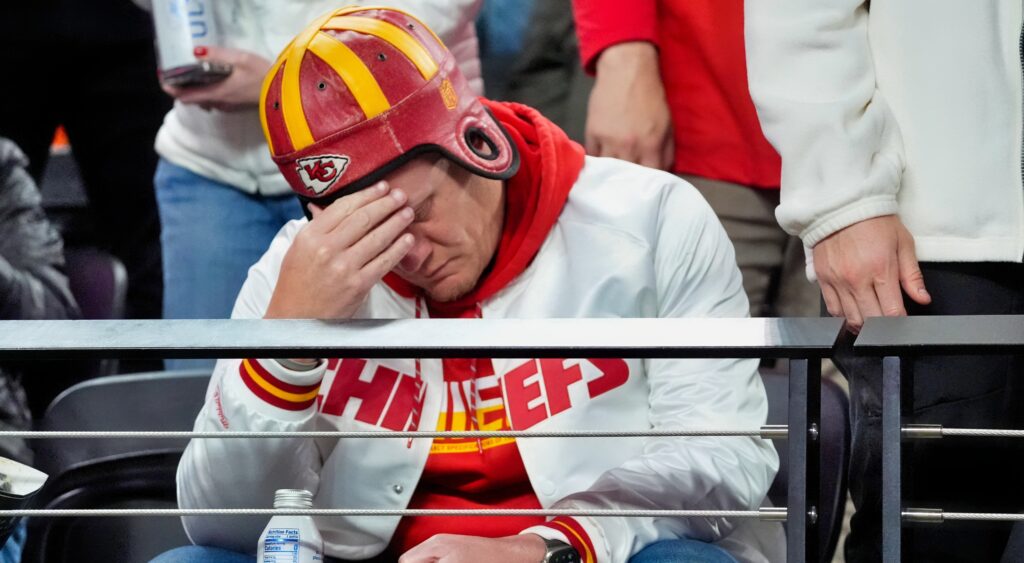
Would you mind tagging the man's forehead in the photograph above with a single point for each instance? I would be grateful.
(419, 178)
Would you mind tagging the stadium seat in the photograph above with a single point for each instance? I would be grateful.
(98, 281)
(113, 473)
(99, 284)
(835, 453)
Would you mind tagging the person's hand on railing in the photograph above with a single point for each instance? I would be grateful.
(524, 548)
(862, 267)
(343, 251)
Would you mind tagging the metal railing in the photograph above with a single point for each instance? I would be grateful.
(803, 341)
(897, 340)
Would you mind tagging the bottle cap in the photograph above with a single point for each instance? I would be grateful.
(293, 498)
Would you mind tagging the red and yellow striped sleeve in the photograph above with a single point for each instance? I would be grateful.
(576, 535)
(567, 528)
(272, 390)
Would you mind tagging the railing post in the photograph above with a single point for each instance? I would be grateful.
(895, 393)
(804, 460)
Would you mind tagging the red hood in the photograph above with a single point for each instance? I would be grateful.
(549, 165)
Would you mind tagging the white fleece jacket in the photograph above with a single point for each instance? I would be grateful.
(910, 107)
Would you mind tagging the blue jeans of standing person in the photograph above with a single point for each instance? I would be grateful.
(210, 234)
(11, 552)
(671, 551)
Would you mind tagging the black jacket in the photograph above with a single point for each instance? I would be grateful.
(32, 285)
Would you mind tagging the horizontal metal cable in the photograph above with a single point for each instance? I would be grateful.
(763, 432)
(983, 432)
(935, 516)
(776, 513)
(931, 431)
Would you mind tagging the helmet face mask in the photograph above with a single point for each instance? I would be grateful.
(363, 91)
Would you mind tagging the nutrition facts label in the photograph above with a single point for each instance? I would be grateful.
(281, 546)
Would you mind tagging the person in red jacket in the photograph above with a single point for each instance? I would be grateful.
(671, 93)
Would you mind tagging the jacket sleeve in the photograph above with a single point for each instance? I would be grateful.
(812, 79)
(696, 277)
(32, 283)
(603, 23)
(250, 395)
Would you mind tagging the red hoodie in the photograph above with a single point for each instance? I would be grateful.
(471, 474)
(704, 70)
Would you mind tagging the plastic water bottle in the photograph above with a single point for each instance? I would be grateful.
(291, 539)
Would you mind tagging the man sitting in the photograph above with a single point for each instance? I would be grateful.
(427, 202)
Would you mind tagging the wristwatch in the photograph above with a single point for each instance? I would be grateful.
(560, 552)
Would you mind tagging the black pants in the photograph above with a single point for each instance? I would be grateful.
(958, 474)
(108, 99)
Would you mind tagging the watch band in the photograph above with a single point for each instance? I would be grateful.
(560, 552)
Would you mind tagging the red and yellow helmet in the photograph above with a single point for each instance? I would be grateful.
(364, 89)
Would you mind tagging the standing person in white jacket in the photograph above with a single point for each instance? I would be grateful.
(220, 197)
(899, 124)
(425, 201)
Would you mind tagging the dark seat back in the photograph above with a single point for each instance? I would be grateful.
(114, 473)
(835, 453)
(98, 281)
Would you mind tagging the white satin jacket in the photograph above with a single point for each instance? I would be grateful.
(630, 242)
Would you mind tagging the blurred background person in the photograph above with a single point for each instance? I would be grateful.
(671, 93)
(91, 67)
(547, 74)
(220, 196)
(32, 286)
(501, 28)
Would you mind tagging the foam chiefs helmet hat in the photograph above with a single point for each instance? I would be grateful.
(365, 89)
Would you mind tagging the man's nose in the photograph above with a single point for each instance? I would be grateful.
(416, 257)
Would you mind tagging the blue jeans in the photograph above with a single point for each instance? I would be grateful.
(210, 234)
(671, 551)
(11, 552)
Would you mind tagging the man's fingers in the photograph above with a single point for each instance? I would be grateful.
(890, 298)
(591, 144)
(832, 303)
(867, 302)
(668, 153)
(651, 157)
(622, 150)
(336, 212)
(389, 259)
(314, 210)
(367, 248)
(365, 219)
(911, 277)
(854, 319)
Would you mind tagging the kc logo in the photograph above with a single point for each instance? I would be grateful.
(319, 173)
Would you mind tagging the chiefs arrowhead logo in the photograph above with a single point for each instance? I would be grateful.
(319, 173)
